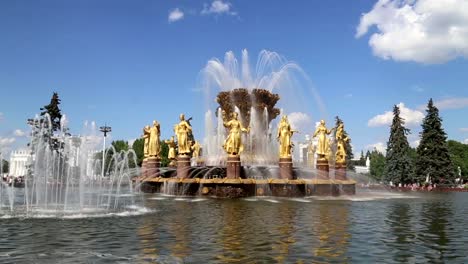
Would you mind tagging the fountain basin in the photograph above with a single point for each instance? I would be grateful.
(236, 188)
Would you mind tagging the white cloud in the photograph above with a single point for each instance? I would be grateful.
(218, 7)
(415, 143)
(5, 144)
(423, 31)
(465, 141)
(452, 103)
(19, 133)
(379, 146)
(410, 116)
(299, 121)
(131, 141)
(175, 15)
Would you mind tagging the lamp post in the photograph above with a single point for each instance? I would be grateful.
(104, 129)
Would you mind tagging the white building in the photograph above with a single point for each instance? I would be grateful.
(363, 169)
(18, 162)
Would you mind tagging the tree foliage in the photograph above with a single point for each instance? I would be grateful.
(54, 112)
(5, 166)
(138, 146)
(244, 100)
(377, 165)
(398, 165)
(433, 158)
(459, 155)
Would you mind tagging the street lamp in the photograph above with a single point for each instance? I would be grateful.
(104, 129)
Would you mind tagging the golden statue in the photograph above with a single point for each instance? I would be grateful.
(284, 136)
(323, 147)
(146, 138)
(196, 149)
(233, 143)
(182, 131)
(172, 151)
(154, 147)
(341, 141)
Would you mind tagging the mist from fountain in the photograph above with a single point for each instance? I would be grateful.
(67, 179)
(273, 73)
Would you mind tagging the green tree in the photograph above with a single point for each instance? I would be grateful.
(5, 166)
(54, 112)
(433, 158)
(377, 165)
(164, 153)
(459, 155)
(398, 165)
(349, 147)
(139, 146)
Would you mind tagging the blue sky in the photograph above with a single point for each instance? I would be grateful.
(129, 62)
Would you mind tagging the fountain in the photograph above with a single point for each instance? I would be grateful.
(241, 153)
(64, 177)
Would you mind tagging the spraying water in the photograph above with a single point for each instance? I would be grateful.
(272, 73)
(64, 175)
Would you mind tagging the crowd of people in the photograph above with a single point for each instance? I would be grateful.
(13, 181)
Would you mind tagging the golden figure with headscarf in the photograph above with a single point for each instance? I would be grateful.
(233, 143)
(284, 136)
(154, 146)
(182, 131)
(323, 146)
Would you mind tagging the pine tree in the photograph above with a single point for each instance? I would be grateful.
(377, 164)
(349, 148)
(54, 112)
(398, 166)
(433, 159)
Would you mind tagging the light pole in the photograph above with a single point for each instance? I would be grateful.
(104, 129)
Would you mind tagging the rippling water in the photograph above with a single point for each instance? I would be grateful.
(372, 227)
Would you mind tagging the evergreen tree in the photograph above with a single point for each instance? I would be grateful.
(5, 166)
(138, 146)
(433, 158)
(377, 164)
(349, 148)
(54, 112)
(398, 166)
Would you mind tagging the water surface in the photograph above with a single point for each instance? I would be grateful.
(372, 227)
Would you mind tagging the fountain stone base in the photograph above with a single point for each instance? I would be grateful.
(238, 188)
(233, 167)
(340, 171)
(151, 167)
(322, 169)
(183, 166)
(286, 168)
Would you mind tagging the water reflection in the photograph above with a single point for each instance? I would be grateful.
(332, 233)
(286, 228)
(399, 219)
(435, 226)
(269, 230)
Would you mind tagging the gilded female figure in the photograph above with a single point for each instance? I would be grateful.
(323, 143)
(233, 143)
(182, 131)
(196, 149)
(154, 147)
(341, 139)
(172, 151)
(146, 139)
(284, 136)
